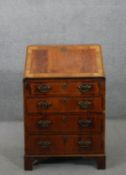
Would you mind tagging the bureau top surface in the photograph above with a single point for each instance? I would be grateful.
(63, 61)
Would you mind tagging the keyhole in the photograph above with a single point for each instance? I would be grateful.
(65, 100)
(64, 119)
(65, 85)
(65, 137)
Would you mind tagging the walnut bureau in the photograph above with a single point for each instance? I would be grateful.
(64, 103)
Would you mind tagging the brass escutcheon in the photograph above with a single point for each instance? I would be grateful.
(85, 123)
(44, 144)
(84, 144)
(44, 123)
(44, 105)
(85, 88)
(43, 88)
(84, 104)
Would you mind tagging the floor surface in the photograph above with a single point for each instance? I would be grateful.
(11, 153)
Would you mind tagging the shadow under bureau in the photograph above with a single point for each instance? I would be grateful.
(64, 103)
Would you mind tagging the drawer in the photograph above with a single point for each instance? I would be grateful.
(64, 87)
(63, 123)
(64, 104)
(46, 145)
(84, 144)
(64, 144)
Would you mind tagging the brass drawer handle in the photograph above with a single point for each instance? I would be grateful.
(43, 88)
(44, 144)
(85, 88)
(44, 123)
(84, 104)
(44, 105)
(84, 144)
(85, 123)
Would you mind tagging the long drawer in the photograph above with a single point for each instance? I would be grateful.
(64, 144)
(66, 87)
(63, 123)
(64, 104)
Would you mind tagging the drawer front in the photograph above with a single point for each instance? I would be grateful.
(65, 104)
(84, 144)
(64, 87)
(78, 123)
(64, 144)
(45, 145)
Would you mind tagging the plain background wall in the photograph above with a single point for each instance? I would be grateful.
(24, 22)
